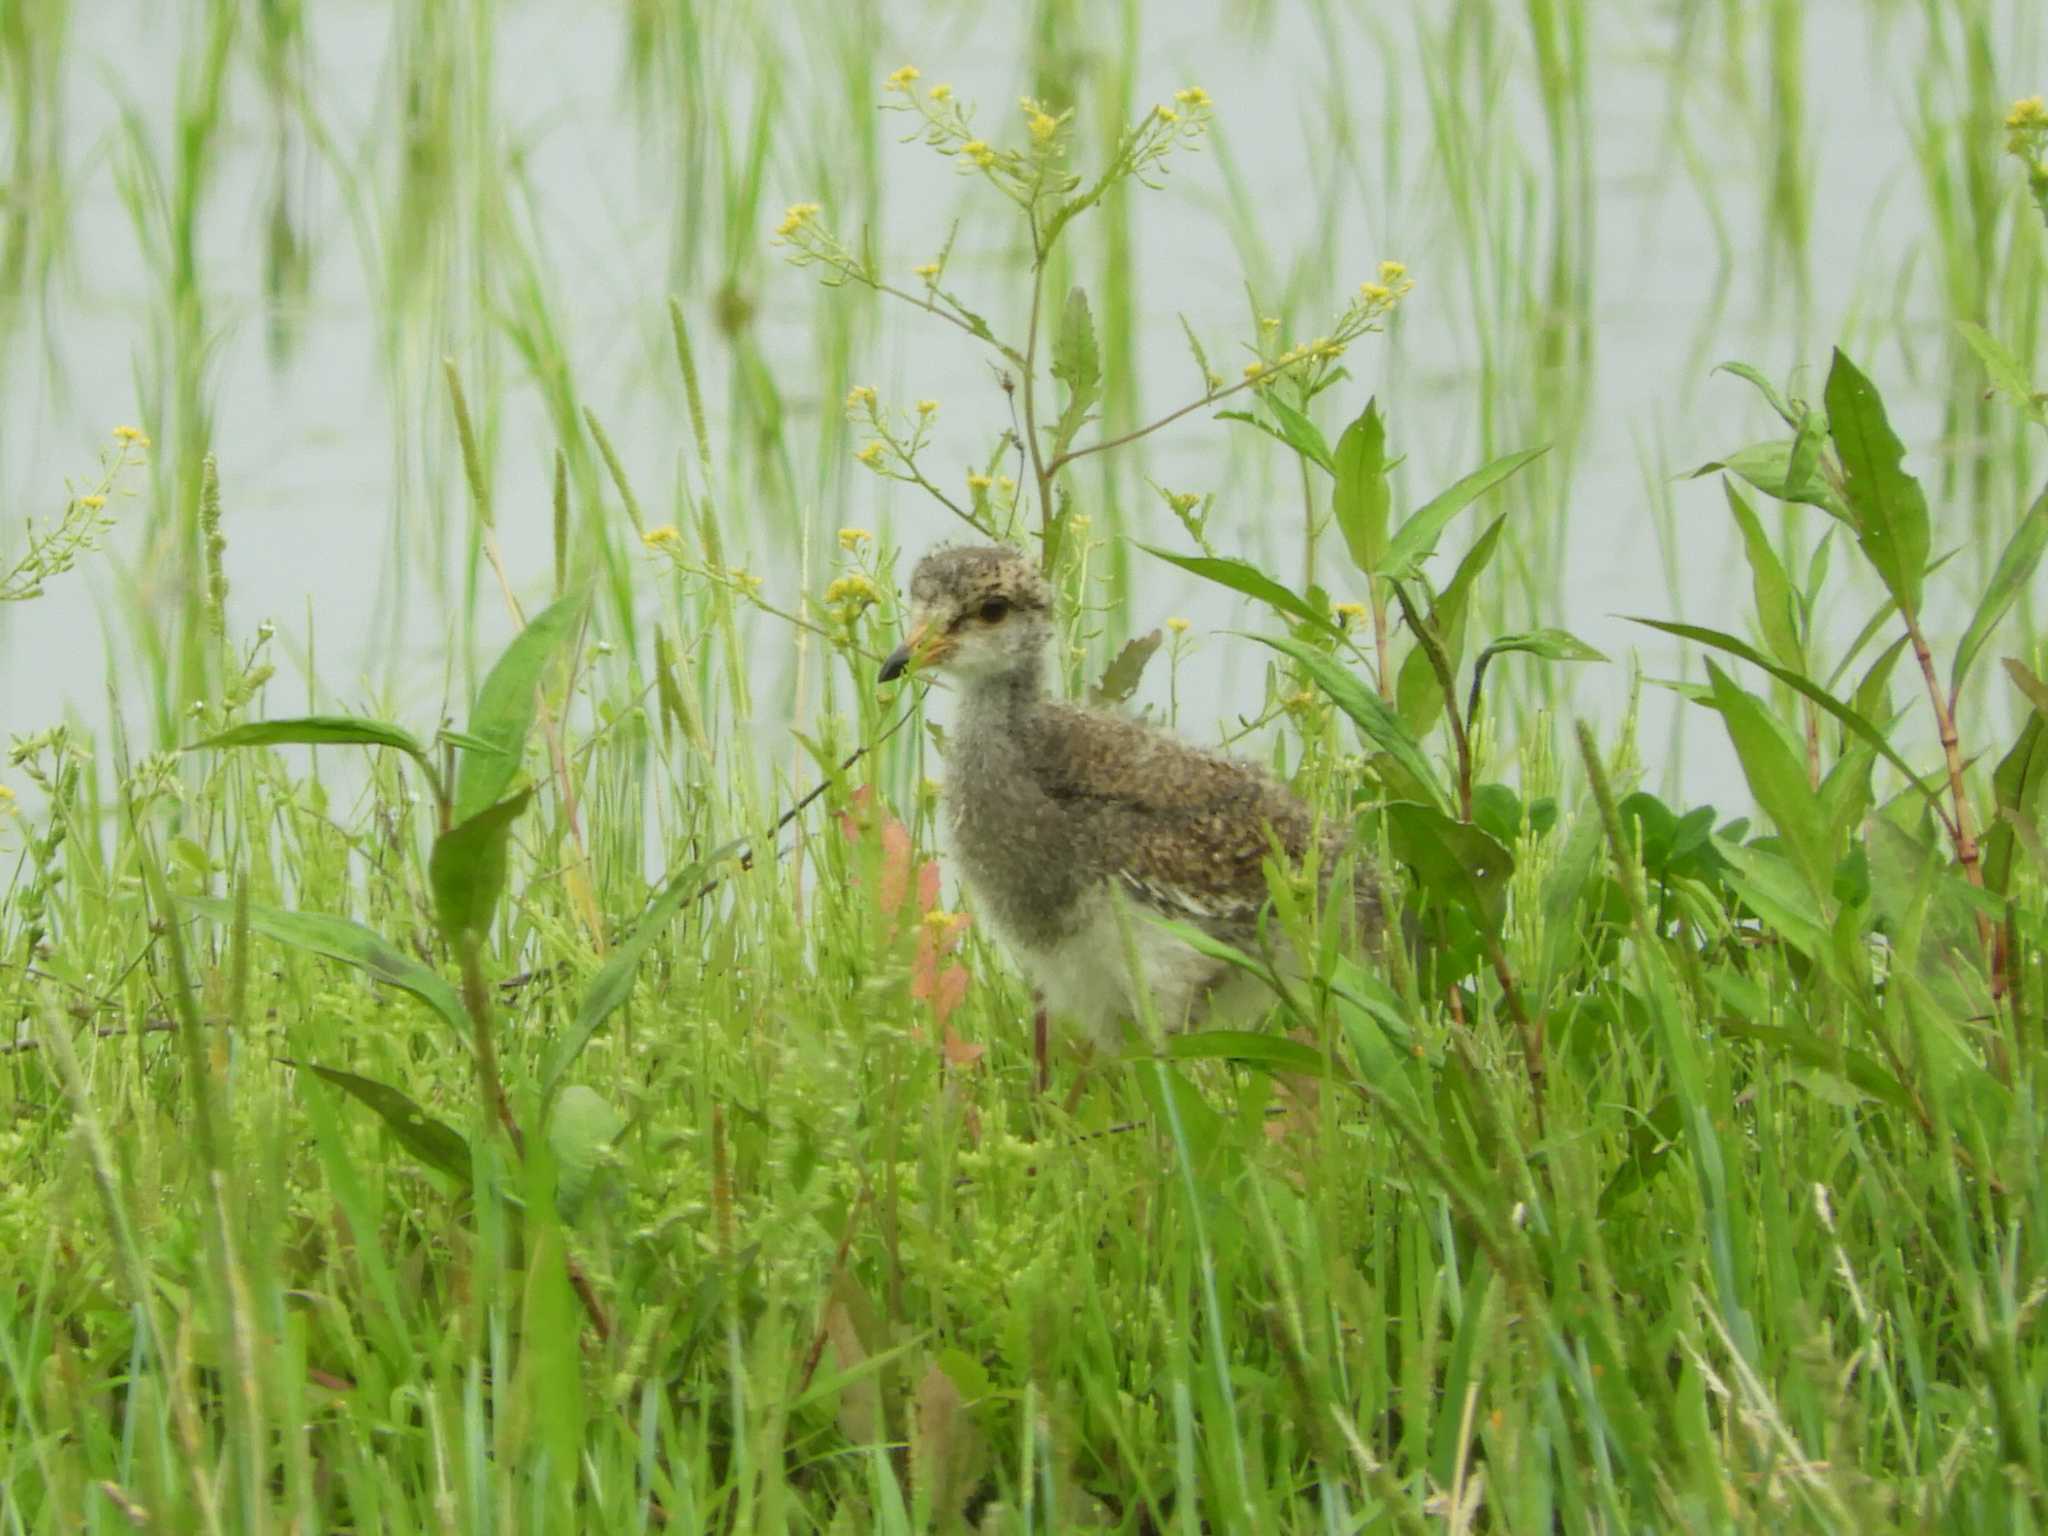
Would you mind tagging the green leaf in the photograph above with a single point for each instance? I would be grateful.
(1763, 387)
(1417, 537)
(467, 867)
(1769, 467)
(1861, 1071)
(1275, 1053)
(1886, 505)
(1550, 644)
(1076, 363)
(581, 1129)
(1800, 684)
(1777, 610)
(1361, 500)
(613, 983)
(1247, 579)
(506, 706)
(1418, 693)
(435, 1143)
(1299, 433)
(337, 938)
(1121, 677)
(1454, 861)
(2006, 374)
(2015, 569)
(2016, 790)
(1776, 773)
(1376, 723)
(2032, 687)
(316, 731)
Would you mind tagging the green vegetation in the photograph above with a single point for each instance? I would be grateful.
(558, 1115)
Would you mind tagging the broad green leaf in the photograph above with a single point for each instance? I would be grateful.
(1773, 888)
(1454, 861)
(506, 705)
(432, 1141)
(1763, 387)
(1076, 363)
(1861, 1071)
(2016, 565)
(1276, 1053)
(467, 867)
(1776, 773)
(1776, 609)
(1418, 692)
(1886, 505)
(1121, 677)
(1768, 467)
(1299, 433)
(337, 938)
(1248, 579)
(1800, 684)
(316, 731)
(1872, 699)
(613, 983)
(1416, 538)
(1377, 724)
(1361, 500)
(581, 1129)
(2016, 790)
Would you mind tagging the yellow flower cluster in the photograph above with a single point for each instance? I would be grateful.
(942, 92)
(92, 503)
(2026, 128)
(1178, 626)
(664, 537)
(796, 218)
(851, 539)
(861, 398)
(929, 271)
(978, 152)
(1349, 613)
(1393, 286)
(1041, 123)
(870, 453)
(854, 588)
(132, 435)
(1193, 98)
(978, 482)
(901, 80)
(927, 407)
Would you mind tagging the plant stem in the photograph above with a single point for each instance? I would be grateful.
(1440, 663)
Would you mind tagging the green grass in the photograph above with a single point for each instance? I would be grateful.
(455, 1133)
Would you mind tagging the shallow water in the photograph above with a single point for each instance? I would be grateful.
(344, 499)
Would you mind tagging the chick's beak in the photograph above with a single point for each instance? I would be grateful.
(920, 648)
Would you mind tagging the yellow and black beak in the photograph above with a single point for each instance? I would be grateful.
(924, 645)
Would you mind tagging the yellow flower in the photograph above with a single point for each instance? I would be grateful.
(1391, 272)
(1253, 369)
(942, 922)
(797, 216)
(853, 588)
(870, 454)
(1005, 484)
(926, 407)
(664, 537)
(2027, 112)
(860, 397)
(131, 435)
(1166, 114)
(979, 153)
(1350, 613)
(1376, 293)
(929, 271)
(1193, 97)
(94, 503)
(1178, 626)
(979, 482)
(1043, 124)
(851, 539)
(900, 80)
(942, 92)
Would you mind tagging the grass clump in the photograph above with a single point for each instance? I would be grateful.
(421, 1162)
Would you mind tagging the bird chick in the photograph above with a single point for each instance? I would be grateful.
(1053, 809)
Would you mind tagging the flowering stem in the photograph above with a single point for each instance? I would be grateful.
(1167, 420)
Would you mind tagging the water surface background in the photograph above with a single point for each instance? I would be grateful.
(258, 230)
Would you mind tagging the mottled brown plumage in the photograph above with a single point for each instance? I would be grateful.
(1052, 807)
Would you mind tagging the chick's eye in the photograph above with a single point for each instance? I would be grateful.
(994, 610)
